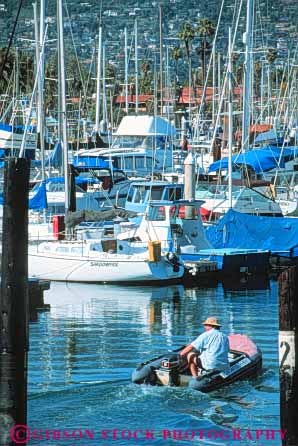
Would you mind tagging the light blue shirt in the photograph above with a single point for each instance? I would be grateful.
(213, 346)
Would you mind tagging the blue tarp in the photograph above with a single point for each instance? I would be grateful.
(90, 161)
(267, 136)
(39, 201)
(55, 158)
(260, 160)
(78, 180)
(236, 230)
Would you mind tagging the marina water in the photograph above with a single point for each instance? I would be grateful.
(83, 351)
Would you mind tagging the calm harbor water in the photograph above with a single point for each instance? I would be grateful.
(82, 353)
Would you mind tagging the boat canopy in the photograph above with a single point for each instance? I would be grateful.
(237, 230)
(260, 160)
(78, 180)
(91, 162)
(145, 126)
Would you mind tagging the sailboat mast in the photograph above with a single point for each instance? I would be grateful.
(136, 67)
(41, 88)
(98, 83)
(63, 102)
(39, 61)
(126, 70)
(160, 60)
(230, 108)
(247, 75)
(104, 98)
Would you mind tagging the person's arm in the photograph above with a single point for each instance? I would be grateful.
(186, 350)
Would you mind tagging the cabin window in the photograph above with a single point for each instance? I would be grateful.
(141, 194)
(63, 249)
(149, 163)
(156, 193)
(128, 163)
(130, 194)
(76, 250)
(95, 247)
(157, 213)
(116, 162)
(140, 162)
(173, 193)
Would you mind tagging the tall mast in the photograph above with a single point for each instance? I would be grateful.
(230, 108)
(39, 74)
(41, 88)
(136, 67)
(104, 99)
(262, 92)
(98, 84)
(160, 60)
(213, 82)
(247, 76)
(63, 102)
(126, 70)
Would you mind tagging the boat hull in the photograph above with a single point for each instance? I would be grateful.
(106, 268)
(243, 365)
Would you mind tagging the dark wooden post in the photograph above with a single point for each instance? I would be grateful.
(72, 188)
(288, 355)
(14, 298)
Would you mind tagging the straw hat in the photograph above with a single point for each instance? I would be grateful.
(212, 321)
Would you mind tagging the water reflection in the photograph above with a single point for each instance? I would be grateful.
(83, 351)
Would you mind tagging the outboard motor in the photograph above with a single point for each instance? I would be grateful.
(171, 365)
(173, 259)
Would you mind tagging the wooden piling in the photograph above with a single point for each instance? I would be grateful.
(14, 298)
(288, 354)
(189, 184)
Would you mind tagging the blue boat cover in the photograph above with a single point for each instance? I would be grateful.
(39, 201)
(260, 160)
(55, 158)
(236, 230)
(78, 180)
(91, 161)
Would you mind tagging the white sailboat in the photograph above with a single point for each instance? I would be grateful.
(136, 254)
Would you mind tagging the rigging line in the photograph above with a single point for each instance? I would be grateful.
(11, 39)
(75, 49)
(225, 77)
(84, 101)
(209, 67)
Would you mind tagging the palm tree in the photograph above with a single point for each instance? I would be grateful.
(206, 30)
(271, 56)
(146, 78)
(25, 69)
(176, 54)
(187, 34)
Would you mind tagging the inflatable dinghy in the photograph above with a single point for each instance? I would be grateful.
(171, 369)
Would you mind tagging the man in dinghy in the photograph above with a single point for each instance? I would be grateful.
(209, 351)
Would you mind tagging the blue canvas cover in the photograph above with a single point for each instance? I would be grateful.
(237, 230)
(39, 201)
(260, 160)
(91, 162)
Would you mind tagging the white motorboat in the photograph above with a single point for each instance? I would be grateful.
(244, 199)
(142, 145)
